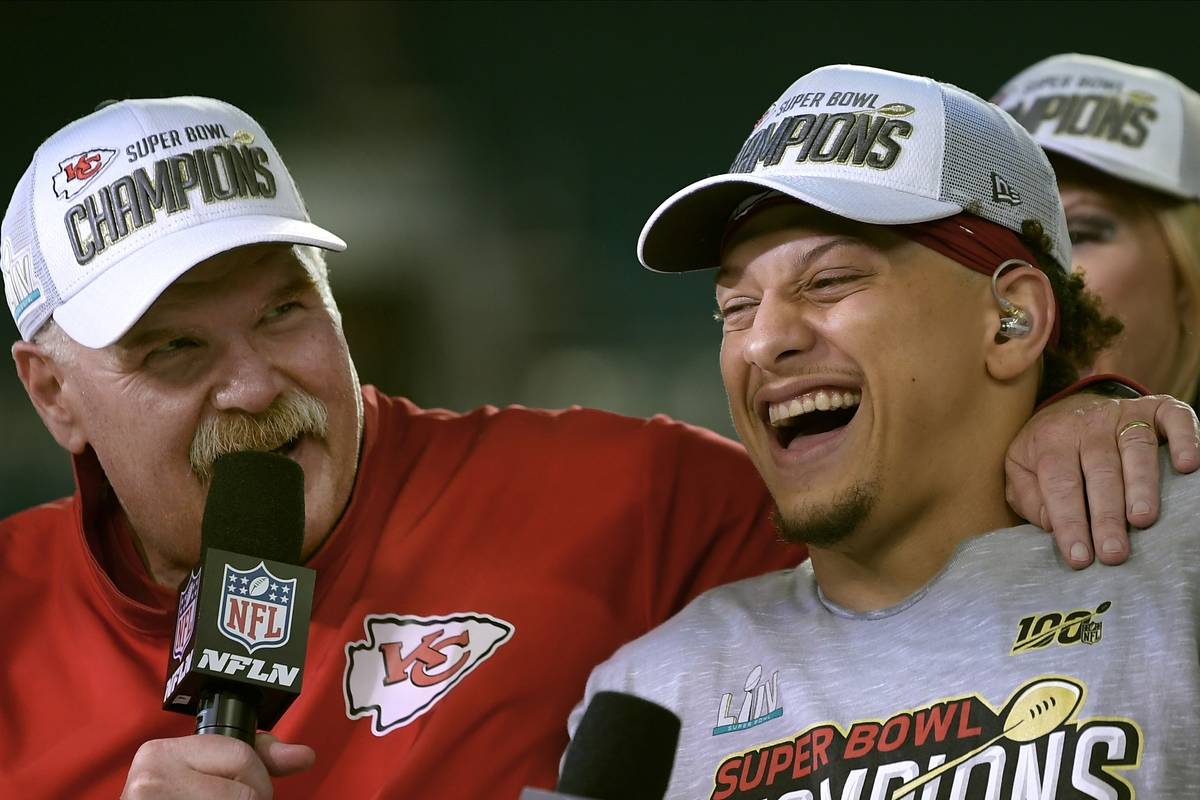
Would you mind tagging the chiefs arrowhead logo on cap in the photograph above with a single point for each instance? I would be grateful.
(77, 171)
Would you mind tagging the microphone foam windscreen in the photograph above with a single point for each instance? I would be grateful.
(623, 749)
(255, 506)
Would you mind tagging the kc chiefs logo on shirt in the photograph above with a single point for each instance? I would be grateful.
(407, 664)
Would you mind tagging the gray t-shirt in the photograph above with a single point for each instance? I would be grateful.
(1021, 677)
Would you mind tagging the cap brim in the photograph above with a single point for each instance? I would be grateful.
(101, 312)
(1122, 170)
(685, 232)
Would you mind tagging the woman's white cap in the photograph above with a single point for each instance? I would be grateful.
(1134, 123)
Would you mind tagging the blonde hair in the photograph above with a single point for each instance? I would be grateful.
(54, 341)
(1180, 226)
(313, 258)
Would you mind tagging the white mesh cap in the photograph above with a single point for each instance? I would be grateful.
(1137, 124)
(120, 203)
(874, 146)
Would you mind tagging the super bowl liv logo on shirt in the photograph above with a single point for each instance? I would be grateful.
(1033, 746)
(854, 133)
(1088, 106)
(757, 703)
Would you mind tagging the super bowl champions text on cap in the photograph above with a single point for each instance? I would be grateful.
(232, 168)
(1087, 105)
(852, 128)
(1133, 123)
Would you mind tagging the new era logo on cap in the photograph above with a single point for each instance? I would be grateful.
(118, 204)
(1138, 124)
(873, 146)
(1002, 192)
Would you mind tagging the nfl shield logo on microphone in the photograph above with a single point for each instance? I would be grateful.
(185, 620)
(256, 607)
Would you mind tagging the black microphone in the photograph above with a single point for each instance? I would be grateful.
(623, 749)
(241, 629)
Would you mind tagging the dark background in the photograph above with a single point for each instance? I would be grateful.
(491, 164)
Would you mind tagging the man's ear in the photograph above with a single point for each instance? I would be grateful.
(43, 378)
(1028, 290)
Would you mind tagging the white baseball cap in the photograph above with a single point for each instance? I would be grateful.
(120, 203)
(1134, 123)
(874, 146)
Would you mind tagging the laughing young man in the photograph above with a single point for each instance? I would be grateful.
(895, 292)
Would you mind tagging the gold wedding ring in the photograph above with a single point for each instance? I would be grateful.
(1137, 423)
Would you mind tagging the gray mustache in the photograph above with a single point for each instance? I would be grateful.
(289, 416)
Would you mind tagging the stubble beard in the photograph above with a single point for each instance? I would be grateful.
(829, 524)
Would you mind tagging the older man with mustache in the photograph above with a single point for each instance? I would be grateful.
(173, 306)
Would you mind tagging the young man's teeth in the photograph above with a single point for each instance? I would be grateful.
(821, 400)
